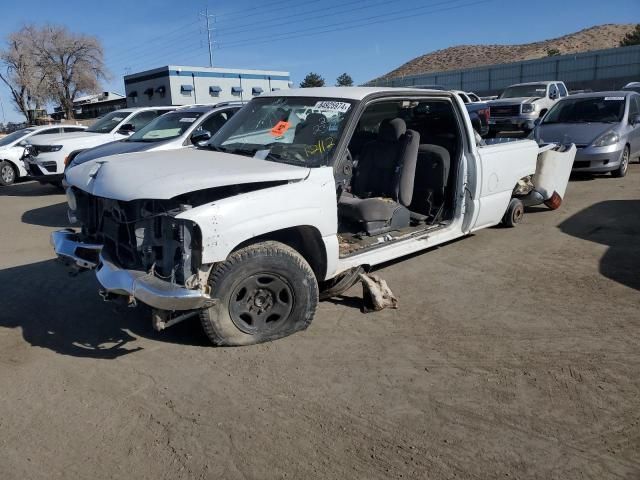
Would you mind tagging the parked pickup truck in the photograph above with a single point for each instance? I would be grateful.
(50, 153)
(521, 105)
(276, 211)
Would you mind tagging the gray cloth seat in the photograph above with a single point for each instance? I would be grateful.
(383, 185)
(431, 180)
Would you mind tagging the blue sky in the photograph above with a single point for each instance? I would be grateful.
(326, 36)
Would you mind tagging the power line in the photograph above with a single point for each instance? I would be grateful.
(372, 20)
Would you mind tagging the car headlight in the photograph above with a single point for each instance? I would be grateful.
(49, 148)
(609, 138)
(71, 199)
(528, 107)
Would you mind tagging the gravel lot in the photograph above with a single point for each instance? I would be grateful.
(514, 354)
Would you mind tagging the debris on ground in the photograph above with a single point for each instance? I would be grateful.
(376, 294)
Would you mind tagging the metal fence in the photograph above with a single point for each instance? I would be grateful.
(599, 69)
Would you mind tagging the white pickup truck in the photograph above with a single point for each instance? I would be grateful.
(521, 105)
(49, 154)
(279, 209)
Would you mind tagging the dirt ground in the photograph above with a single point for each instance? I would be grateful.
(515, 354)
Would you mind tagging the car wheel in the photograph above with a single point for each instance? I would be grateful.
(8, 174)
(621, 171)
(264, 292)
(514, 213)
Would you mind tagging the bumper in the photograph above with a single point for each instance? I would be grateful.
(140, 285)
(512, 123)
(598, 159)
(43, 168)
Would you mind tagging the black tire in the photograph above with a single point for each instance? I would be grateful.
(8, 173)
(621, 171)
(264, 291)
(514, 213)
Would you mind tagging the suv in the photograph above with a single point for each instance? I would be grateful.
(12, 149)
(50, 153)
(519, 106)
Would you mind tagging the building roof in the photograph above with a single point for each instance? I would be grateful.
(189, 69)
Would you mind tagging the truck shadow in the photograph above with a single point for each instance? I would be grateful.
(614, 223)
(49, 216)
(65, 314)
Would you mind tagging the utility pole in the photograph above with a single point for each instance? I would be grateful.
(208, 18)
(4, 119)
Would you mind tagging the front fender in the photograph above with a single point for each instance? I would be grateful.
(227, 223)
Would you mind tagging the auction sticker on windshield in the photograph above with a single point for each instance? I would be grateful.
(613, 98)
(280, 128)
(341, 107)
(187, 119)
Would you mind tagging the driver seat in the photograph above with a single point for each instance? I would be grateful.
(383, 184)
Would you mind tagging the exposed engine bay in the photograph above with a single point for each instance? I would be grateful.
(145, 234)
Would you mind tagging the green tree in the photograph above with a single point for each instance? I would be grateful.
(312, 80)
(344, 80)
(631, 38)
(552, 52)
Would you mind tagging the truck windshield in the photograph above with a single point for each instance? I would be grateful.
(165, 127)
(108, 122)
(525, 91)
(295, 130)
(587, 110)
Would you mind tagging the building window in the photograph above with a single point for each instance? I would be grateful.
(161, 90)
(256, 90)
(186, 90)
(214, 91)
(149, 92)
(133, 96)
(236, 90)
(275, 89)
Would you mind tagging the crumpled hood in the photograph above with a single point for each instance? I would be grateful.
(63, 138)
(167, 174)
(512, 101)
(578, 133)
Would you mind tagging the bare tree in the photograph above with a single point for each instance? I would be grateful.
(20, 72)
(72, 63)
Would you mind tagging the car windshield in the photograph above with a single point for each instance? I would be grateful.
(295, 130)
(525, 91)
(108, 122)
(587, 110)
(12, 137)
(165, 127)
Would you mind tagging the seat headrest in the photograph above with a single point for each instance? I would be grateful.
(392, 130)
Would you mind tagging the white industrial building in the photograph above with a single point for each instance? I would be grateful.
(182, 85)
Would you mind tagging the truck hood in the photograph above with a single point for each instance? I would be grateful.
(578, 133)
(513, 101)
(64, 138)
(167, 174)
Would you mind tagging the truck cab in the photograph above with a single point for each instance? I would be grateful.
(278, 209)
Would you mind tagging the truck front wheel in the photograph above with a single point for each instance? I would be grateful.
(264, 292)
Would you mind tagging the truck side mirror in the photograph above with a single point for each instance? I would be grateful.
(553, 95)
(635, 120)
(127, 129)
(537, 121)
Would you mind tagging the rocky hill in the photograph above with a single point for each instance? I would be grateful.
(468, 56)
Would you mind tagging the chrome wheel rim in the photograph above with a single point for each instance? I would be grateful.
(7, 174)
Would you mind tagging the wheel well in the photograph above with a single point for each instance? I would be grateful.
(304, 239)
